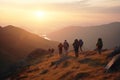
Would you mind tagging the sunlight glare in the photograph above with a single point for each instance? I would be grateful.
(40, 14)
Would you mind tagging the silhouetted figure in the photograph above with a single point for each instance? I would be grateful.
(81, 44)
(60, 47)
(52, 50)
(99, 45)
(49, 50)
(76, 47)
(66, 46)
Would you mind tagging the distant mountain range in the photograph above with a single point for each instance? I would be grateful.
(16, 44)
(108, 32)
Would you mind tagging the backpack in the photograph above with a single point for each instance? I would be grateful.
(66, 45)
(80, 42)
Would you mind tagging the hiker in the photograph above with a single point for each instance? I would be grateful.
(76, 47)
(60, 48)
(81, 44)
(52, 50)
(99, 45)
(49, 50)
(66, 46)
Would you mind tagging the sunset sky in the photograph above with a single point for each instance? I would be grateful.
(44, 16)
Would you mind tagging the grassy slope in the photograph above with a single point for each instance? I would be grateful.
(87, 67)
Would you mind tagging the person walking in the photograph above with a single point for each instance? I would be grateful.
(60, 48)
(76, 47)
(66, 47)
(99, 45)
(81, 44)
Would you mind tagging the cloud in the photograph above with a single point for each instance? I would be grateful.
(92, 6)
(68, 6)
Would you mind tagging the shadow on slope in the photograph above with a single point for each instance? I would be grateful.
(33, 58)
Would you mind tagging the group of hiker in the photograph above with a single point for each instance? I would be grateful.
(113, 64)
(65, 45)
(78, 45)
(51, 50)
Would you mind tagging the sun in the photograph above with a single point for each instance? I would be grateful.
(40, 14)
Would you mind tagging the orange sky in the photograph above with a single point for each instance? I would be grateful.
(43, 16)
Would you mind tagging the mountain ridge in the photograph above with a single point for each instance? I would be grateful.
(16, 44)
(14, 36)
(109, 32)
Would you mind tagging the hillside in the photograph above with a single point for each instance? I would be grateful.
(5, 60)
(90, 34)
(20, 42)
(89, 66)
(16, 44)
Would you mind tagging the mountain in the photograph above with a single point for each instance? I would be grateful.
(88, 66)
(37, 54)
(20, 43)
(108, 32)
(16, 44)
(5, 60)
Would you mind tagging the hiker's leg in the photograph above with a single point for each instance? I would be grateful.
(99, 51)
(76, 52)
(81, 49)
(66, 52)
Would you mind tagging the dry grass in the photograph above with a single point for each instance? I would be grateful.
(89, 66)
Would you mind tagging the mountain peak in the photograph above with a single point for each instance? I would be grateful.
(9, 26)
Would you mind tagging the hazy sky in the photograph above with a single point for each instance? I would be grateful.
(43, 16)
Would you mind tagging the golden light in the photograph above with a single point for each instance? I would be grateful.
(40, 14)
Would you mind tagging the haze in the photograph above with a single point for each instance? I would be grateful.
(44, 16)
